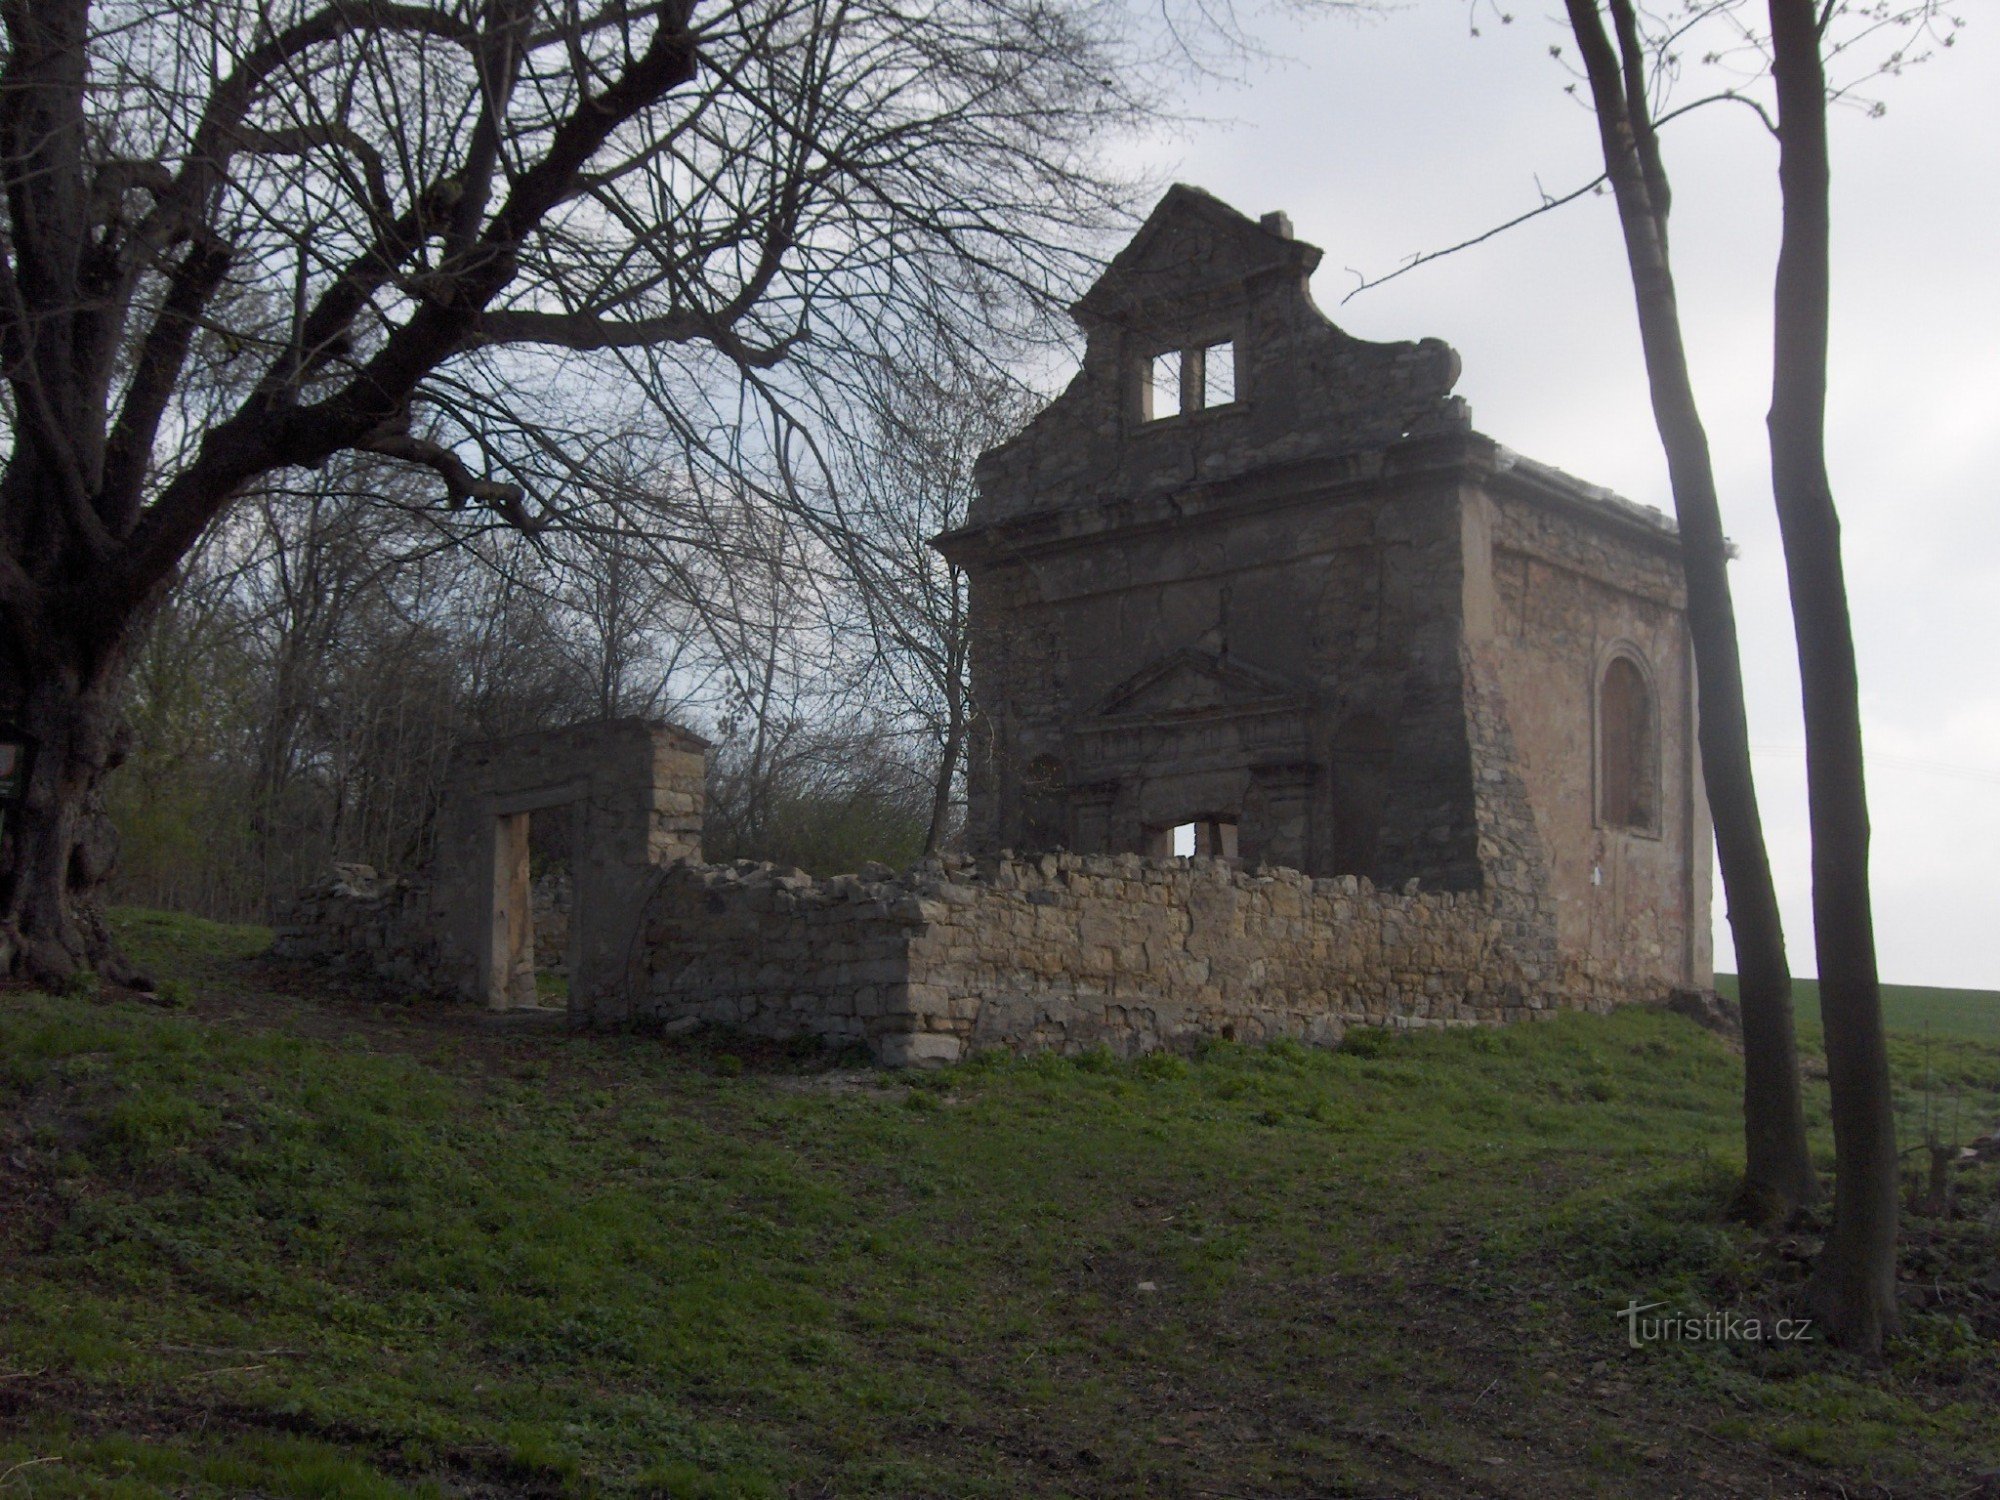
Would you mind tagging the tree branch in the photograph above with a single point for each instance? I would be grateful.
(19, 601)
(1548, 205)
(1727, 96)
(155, 374)
(1639, 114)
(117, 178)
(201, 174)
(460, 483)
(300, 139)
(616, 14)
(263, 435)
(324, 331)
(37, 414)
(444, 322)
(583, 332)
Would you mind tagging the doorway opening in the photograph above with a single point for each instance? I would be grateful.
(533, 951)
(551, 901)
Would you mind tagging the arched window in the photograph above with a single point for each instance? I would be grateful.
(1627, 748)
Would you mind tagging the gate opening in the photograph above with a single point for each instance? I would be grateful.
(534, 921)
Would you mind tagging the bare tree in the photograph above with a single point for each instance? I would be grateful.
(242, 237)
(300, 692)
(630, 594)
(1778, 1175)
(1855, 1277)
(906, 479)
(768, 649)
(624, 606)
(1625, 65)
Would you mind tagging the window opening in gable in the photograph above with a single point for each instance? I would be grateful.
(1218, 374)
(1182, 381)
(1163, 388)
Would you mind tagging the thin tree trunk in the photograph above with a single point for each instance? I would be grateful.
(1855, 1280)
(1778, 1176)
(947, 771)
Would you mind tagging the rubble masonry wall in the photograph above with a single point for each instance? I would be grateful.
(1067, 952)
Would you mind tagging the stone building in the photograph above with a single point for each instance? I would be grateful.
(1254, 575)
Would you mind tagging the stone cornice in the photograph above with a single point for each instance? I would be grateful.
(1337, 479)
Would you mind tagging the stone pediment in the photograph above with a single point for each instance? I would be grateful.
(1193, 681)
(1191, 244)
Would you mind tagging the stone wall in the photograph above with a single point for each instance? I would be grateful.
(360, 924)
(1572, 585)
(1068, 952)
(777, 952)
(472, 926)
(1055, 952)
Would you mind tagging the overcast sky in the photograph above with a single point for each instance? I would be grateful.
(1407, 134)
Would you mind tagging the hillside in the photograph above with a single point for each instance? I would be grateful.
(290, 1240)
(1911, 1009)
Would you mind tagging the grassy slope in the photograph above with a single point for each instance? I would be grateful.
(314, 1246)
(1913, 1008)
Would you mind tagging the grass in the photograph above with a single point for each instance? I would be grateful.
(288, 1241)
(1908, 1008)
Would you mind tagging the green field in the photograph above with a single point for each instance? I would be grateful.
(286, 1240)
(1911, 1008)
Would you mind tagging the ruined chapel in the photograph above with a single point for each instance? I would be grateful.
(1423, 708)
(1252, 574)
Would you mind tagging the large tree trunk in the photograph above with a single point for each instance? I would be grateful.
(60, 845)
(1855, 1280)
(1778, 1176)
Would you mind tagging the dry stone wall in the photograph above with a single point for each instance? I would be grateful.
(775, 952)
(1067, 952)
(1057, 952)
(360, 924)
